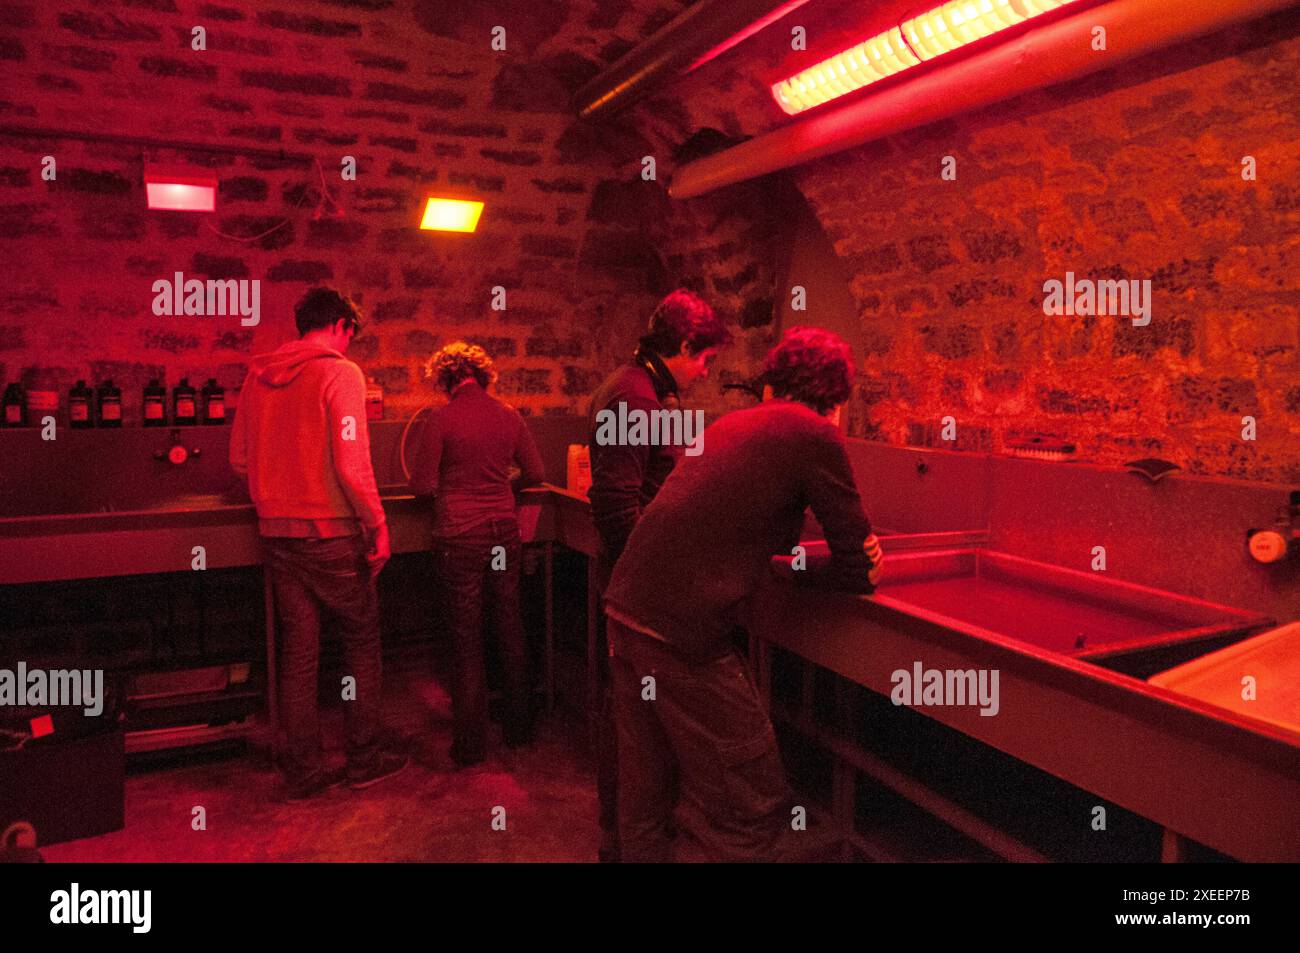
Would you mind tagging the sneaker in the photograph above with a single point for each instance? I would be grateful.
(387, 765)
(315, 784)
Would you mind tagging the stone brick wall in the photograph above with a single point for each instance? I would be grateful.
(1133, 172)
(411, 89)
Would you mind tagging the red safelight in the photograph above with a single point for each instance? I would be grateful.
(179, 191)
(910, 43)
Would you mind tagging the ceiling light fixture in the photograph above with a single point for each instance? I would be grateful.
(1058, 49)
(911, 43)
(451, 215)
(182, 190)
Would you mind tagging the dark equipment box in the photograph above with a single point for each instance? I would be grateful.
(66, 788)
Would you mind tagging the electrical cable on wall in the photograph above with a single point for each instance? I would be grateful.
(325, 199)
(147, 143)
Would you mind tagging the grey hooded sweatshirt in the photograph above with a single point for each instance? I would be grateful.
(300, 436)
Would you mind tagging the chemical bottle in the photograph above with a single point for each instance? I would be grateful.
(15, 404)
(108, 405)
(155, 404)
(42, 403)
(578, 470)
(374, 400)
(214, 402)
(81, 401)
(185, 403)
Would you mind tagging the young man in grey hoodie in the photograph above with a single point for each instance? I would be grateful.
(300, 437)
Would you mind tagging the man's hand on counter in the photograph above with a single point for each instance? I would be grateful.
(380, 548)
(872, 548)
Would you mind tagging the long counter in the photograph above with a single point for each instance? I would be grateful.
(1224, 780)
(136, 542)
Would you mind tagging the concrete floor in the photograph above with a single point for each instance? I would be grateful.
(437, 812)
(432, 812)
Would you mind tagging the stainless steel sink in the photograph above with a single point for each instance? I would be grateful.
(1123, 626)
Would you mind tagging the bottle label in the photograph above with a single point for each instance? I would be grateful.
(216, 409)
(185, 407)
(111, 411)
(43, 400)
(153, 410)
(79, 410)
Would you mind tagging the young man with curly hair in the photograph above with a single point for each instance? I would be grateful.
(300, 437)
(701, 548)
(464, 459)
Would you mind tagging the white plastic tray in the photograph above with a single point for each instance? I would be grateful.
(1271, 658)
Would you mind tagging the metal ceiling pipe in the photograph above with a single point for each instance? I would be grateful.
(700, 33)
(1050, 53)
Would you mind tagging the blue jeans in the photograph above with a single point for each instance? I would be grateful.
(478, 589)
(309, 576)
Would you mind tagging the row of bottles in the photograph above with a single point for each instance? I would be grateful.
(186, 408)
(102, 406)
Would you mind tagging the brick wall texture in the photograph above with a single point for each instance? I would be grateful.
(413, 91)
(1132, 173)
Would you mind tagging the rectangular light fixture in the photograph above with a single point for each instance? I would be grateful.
(914, 41)
(179, 190)
(451, 215)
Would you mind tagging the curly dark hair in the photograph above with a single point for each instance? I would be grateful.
(812, 366)
(456, 362)
(323, 308)
(683, 317)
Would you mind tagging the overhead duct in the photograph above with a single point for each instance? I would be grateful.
(1056, 51)
(700, 33)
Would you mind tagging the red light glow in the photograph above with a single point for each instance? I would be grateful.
(451, 215)
(179, 192)
(914, 41)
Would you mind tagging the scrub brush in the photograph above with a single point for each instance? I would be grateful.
(1041, 448)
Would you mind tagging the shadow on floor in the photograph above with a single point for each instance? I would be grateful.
(431, 812)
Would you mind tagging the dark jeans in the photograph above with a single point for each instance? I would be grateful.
(704, 747)
(308, 576)
(475, 592)
(601, 715)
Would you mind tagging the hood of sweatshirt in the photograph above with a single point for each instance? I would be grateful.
(278, 368)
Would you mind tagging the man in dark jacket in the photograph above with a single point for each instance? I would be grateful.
(683, 338)
(701, 739)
